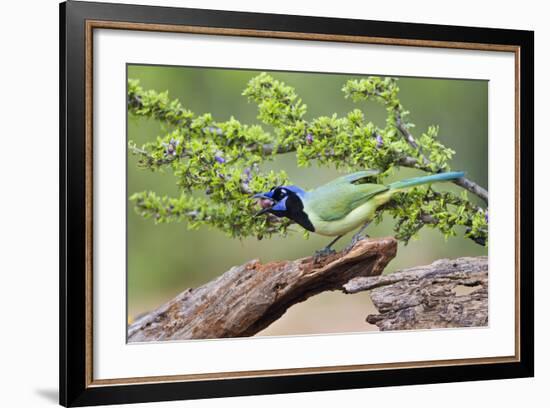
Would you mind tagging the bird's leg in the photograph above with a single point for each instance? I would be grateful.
(358, 237)
(326, 251)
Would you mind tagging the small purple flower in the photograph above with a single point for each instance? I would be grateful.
(247, 174)
(379, 141)
(170, 147)
(219, 158)
(487, 216)
(309, 138)
(213, 129)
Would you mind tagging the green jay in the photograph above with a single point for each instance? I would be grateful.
(340, 206)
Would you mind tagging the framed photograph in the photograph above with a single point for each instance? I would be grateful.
(256, 203)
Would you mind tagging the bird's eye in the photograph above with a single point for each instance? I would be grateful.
(283, 191)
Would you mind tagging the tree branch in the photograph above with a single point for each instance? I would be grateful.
(447, 293)
(473, 188)
(406, 161)
(409, 137)
(271, 148)
(222, 159)
(248, 298)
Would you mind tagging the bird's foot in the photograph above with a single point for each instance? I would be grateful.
(356, 238)
(322, 253)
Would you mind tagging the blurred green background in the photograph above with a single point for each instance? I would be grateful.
(163, 260)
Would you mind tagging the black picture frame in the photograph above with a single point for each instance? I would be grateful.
(76, 387)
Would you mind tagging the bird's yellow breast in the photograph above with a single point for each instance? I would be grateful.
(354, 219)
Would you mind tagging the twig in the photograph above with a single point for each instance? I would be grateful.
(271, 148)
(409, 137)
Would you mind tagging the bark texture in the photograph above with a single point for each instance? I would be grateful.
(249, 297)
(447, 293)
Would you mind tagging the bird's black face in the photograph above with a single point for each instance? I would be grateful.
(285, 201)
(282, 194)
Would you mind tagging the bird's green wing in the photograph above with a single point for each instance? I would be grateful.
(350, 178)
(333, 201)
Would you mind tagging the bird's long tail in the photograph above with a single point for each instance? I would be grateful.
(417, 181)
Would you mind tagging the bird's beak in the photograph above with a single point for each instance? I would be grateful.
(266, 201)
(262, 211)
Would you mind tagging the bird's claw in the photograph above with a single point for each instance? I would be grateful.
(356, 238)
(322, 253)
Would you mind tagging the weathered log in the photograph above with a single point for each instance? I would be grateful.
(447, 293)
(248, 298)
